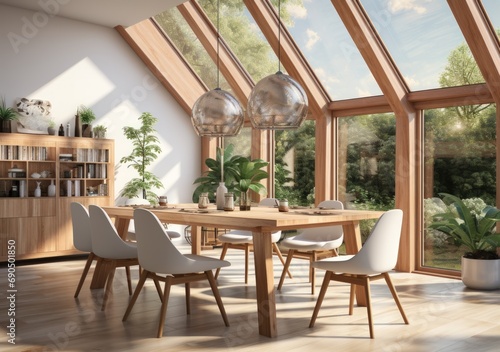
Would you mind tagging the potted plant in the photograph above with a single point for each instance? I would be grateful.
(99, 131)
(7, 115)
(248, 176)
(146, 150)
(86, 116)
(51, 129)
(221, 169)
(477, 233)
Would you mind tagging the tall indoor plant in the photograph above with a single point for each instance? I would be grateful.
(477, 233)
(146, 150)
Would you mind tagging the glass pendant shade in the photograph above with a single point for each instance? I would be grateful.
(217, 113)
(277, 102)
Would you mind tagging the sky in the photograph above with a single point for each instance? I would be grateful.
(419, 34)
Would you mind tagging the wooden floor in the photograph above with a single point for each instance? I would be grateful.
(444, 316)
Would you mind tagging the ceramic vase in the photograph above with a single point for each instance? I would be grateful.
(51, 190)
(219, 196)
(38, 191)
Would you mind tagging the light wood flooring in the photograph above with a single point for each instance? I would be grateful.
(443, 314)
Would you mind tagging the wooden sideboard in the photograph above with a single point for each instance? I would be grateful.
(81, 169)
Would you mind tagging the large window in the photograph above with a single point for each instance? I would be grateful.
(459, 159)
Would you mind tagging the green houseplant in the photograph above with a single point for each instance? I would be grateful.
(100, 131)
(146, 150)
(87, 116)
(221, 169)
(248, 176)
(477, 233)
(7, 115)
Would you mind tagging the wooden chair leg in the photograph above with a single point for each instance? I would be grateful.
(163, 311)
(395, 296)
(158, 288)
(312, 271)
(215, 290)
(289, 258)
(324, 287)
(188, 297)
(352, 295)
(369, 306)
(109, 284)
(90, 259)
(140, 284)
(280, 256)
(129, 280)
(225, 246)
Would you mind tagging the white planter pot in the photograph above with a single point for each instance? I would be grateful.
(481, 274)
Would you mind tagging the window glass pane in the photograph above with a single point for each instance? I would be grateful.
(492, 7)
(425, 42)
(367, 149)
(459, 159)
(242, 142)
(327, 46)
(295, 155)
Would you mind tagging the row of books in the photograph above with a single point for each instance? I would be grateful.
(92, 155)
(22, 152)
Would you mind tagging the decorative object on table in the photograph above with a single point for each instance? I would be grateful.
(277, 101)
(229, 201)
(87, 116)
(203, 201)
(7, 115)
(477, 233)
(34, 115)
(248, 175)
(61, 130)
(99, 131)
(51, 190)
(219, 196)
(38, 191)
(162, 201)
(217, 112)
(145, 152)
(283, 205)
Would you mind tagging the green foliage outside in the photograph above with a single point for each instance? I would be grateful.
(145, 152)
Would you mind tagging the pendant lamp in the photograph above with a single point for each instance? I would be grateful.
(277, 101)
(217, 113)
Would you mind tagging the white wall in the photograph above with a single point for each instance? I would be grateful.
(71, 63)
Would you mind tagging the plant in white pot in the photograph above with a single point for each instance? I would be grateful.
(477, 233)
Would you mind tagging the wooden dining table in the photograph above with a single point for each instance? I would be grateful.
(262, 221)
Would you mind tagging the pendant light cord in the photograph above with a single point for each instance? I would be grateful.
(218, 86)
(279, 35)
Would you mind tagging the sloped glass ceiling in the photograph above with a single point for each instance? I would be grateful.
(422, 37)
(327, 46)
(492, 7)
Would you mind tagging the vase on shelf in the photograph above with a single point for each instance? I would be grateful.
(219, 196)
(51, 190)
(78, 126)
(38, 191)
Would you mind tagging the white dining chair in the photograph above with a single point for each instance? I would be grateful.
(111, 248)
(82, 240)
(240, 239)
(375, 259)
(313, 244)
(162, 261)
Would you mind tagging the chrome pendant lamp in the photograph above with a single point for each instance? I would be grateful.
(217, 113)
(277, 101)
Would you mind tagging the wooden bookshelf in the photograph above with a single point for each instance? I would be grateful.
(81, 169)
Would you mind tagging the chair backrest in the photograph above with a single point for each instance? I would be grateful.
(106, 243)
(268, 202)
(156, 251)
(379, 253)
(325, 233)
(81, 227)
